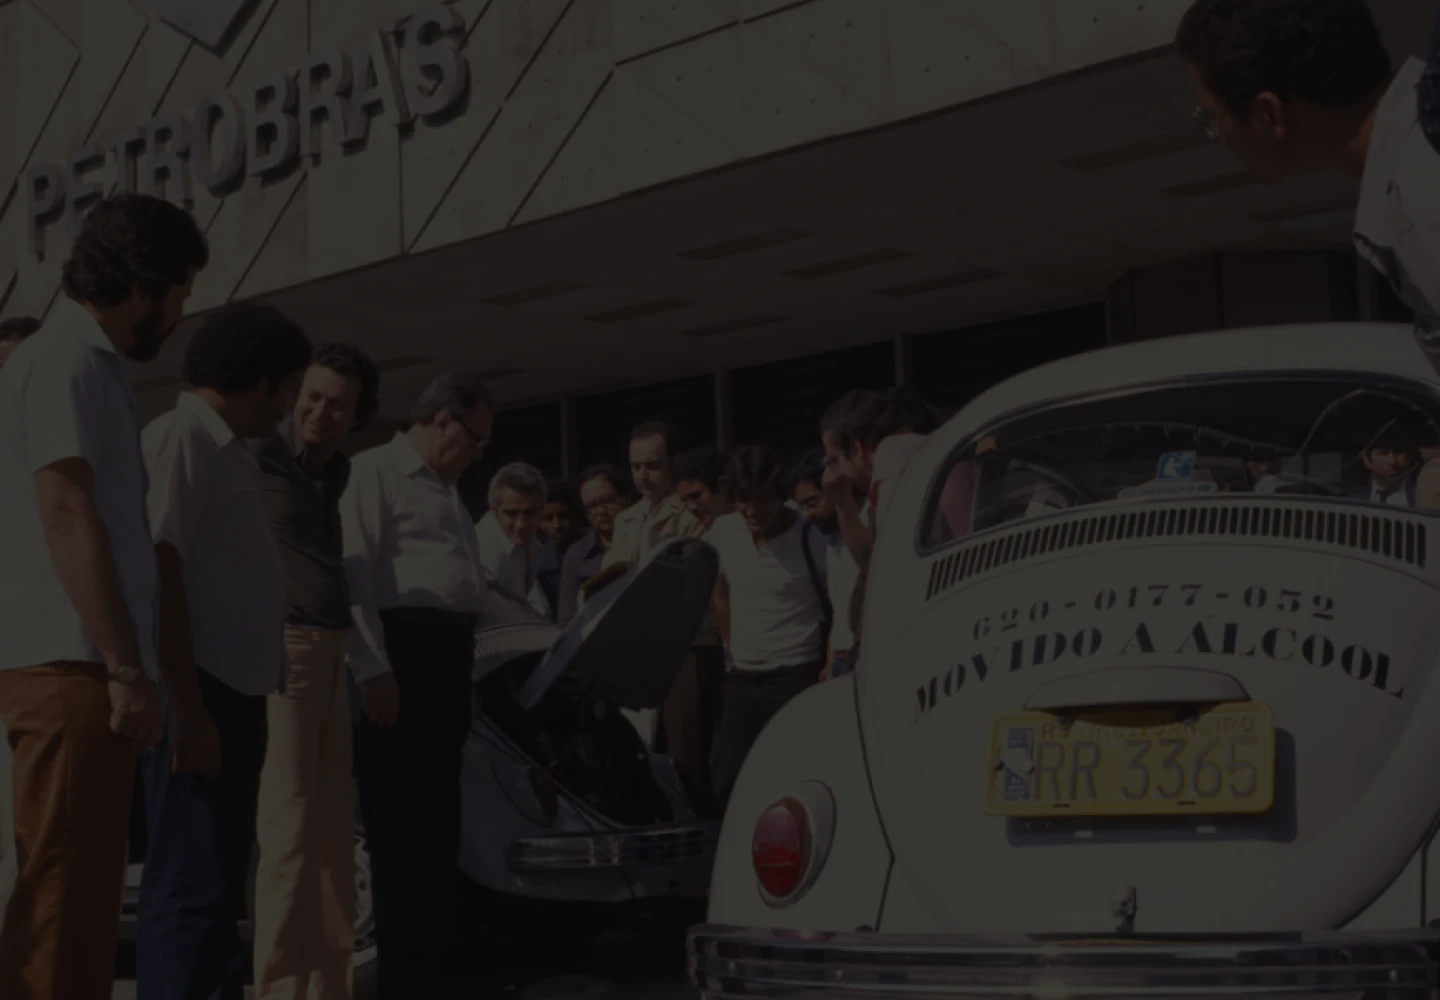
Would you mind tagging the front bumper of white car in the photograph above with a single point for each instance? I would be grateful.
(728, 962)
(615, 849)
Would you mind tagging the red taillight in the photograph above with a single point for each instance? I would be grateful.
(781, 848)
(547, 793)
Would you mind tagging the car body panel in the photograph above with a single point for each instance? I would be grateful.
(814, 739)
(1003, 618)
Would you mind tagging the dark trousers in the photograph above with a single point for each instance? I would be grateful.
(409, 783)
(752, 699)
(200, 844)
(688, 722)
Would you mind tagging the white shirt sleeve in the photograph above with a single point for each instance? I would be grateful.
(62, 407)
(178, 462)
(361, 518)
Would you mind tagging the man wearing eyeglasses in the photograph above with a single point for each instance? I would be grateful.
(1293, 86)
(602, 497)
(417, 587)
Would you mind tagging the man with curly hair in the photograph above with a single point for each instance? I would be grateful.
(305, 886)
(769, 606)
(222, 649)
(1293, 86)
(78, 592)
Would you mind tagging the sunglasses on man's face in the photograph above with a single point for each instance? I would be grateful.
(599, 503)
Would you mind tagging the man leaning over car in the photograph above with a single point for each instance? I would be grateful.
(417, 588)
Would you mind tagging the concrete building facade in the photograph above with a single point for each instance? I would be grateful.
(714, 199)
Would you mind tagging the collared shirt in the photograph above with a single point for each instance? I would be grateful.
(775, 611)
(1397, 223)
(505, 564)
(206, 501)
(304, 511)
(1400, 496)
(409, 543)
(64, 394)
(638, 527)
(582, 561)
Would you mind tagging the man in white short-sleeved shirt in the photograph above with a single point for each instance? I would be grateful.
(78, 592)
(768, 605)
(222, 648)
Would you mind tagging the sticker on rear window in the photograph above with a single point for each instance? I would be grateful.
(1175, 466)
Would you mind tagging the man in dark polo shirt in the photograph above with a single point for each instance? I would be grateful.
(305, 886)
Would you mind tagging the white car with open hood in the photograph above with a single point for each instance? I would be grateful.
(1143, 706)
(563, 804)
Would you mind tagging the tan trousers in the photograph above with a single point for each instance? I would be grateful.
(305, 885)
(72, 781)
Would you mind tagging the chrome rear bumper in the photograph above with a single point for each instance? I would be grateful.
(730, 962)
(666, 845)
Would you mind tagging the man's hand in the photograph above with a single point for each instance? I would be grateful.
(825, 672)
(135, 712)
(838, 487)
(381, 696)
(196, 742)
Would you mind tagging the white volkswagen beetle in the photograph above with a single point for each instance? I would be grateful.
(1143, 703)
(567, 816)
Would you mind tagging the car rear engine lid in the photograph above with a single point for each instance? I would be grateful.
(630, 639)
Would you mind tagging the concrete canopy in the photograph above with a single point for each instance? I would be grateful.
(637, 190)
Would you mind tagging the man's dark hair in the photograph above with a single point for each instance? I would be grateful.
(753, 469)
(18, 327)
(1402, 433)
(869, 417)
(700, 465)
(457, 393)
(612, 474)
(1326, 52)
(810, 469)
(661, 429)
(133, 242)
(909, 412)
(863, 415)
(349, 361)
(243, 343)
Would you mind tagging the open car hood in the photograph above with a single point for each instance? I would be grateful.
(629, 640)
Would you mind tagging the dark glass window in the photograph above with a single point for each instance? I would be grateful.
(953, 367)
(780, 405)
(527, 434)
(603, 422)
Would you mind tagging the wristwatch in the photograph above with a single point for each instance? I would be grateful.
(124, 675)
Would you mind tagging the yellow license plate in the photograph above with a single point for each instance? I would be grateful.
(1133, 762)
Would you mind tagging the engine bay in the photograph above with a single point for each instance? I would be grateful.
(584, 742)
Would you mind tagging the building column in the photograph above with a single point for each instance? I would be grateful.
(904, 361)
(724, 410)
(1233, 289)
(569, 439)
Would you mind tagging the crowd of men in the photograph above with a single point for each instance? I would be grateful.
(195, 602)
